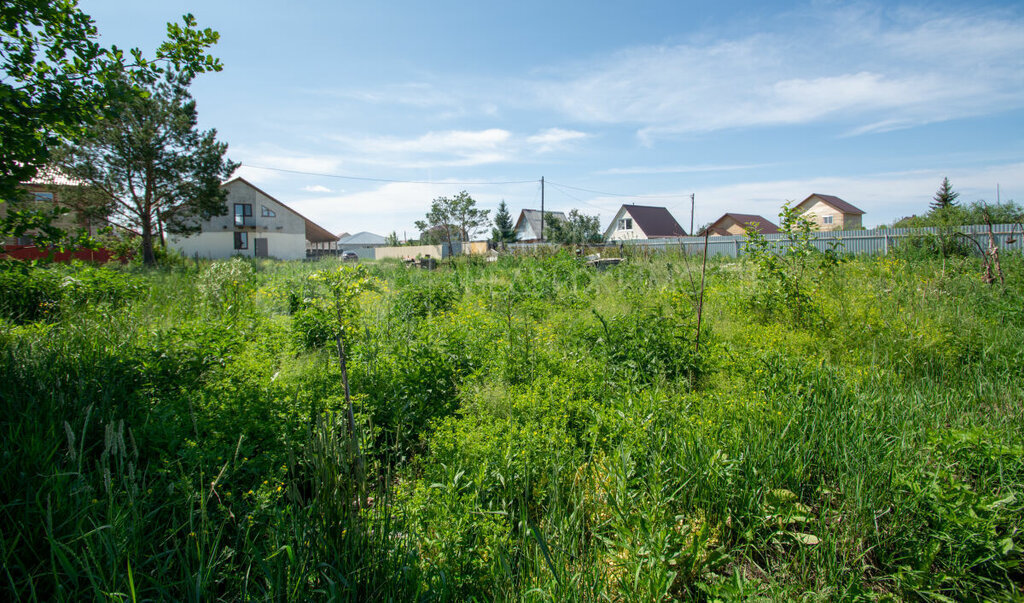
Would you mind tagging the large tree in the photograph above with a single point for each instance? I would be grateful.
(503, 232)
(577, 229)
(55, 80)
(149, 157)
(455, 218)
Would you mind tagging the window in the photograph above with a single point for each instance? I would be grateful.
(48, 197)
(242, 211)
(826, 220)
(266, 212)
(626, 224)
(241, 240)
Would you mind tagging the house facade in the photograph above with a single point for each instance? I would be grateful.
(528, 227)
(639, 222)
(256, 225)
(830, 212)
(739, 224)
(50, 188)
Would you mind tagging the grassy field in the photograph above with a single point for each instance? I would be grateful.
(528, 429)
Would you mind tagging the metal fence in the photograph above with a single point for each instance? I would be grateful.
(857, 242)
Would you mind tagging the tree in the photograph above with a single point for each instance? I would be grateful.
(503, 232)
(161, 172)
(454, 218)
(577, 229)
(55, 80)
(392, 240)
(945, 197)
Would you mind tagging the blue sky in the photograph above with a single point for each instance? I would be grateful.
(744, 104)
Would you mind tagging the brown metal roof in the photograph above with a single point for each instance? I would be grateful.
(763, 226)
(835, 202)
(655, 221)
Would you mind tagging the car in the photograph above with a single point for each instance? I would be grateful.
(349, 256)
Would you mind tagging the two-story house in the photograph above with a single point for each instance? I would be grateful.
(256, 225)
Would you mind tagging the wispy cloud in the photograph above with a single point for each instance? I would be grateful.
(682, 169)
(456, 148)
(882, 69)
(316, 188)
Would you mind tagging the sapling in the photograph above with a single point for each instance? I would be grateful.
(345, 285)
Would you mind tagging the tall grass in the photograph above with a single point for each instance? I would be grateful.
(531, 430)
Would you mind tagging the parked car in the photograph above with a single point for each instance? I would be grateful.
(349, 256)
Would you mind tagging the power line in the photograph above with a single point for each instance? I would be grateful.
(587, 190)
(365, 179)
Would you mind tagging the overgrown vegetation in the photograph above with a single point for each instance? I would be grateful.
(527, 429)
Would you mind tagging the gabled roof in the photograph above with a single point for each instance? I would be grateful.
(362, 238)
(532, 217)
(763, 226)
(654, 221)
(314, 232)
(835, 202)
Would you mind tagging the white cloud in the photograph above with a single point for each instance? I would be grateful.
(316, 188)
(682, 169)
(554, 139)
(876, 70)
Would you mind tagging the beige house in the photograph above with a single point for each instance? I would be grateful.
(830, 212)
(52, 188)
(739, 224)
(255, 225)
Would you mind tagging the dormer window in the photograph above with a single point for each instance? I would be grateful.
(266, 212)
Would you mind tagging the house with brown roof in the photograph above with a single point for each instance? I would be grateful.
(635, 222)
(256, 225)
(739, 224)
(830, 212)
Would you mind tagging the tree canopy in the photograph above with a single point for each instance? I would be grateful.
(149, 158)
(453, 219)
(56, 80)
(577, 229)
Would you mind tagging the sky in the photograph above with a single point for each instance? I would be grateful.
(358, 114)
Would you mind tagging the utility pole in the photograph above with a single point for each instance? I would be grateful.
(542, 209)
(691, 213)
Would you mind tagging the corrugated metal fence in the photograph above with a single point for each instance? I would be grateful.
(873, 242)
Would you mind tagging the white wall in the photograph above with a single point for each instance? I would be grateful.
(220, 245)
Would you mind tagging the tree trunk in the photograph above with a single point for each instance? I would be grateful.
(148, 257)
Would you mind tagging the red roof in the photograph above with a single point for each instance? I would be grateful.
(835, 202)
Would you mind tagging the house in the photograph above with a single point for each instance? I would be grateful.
(361, 243)
(830, 212)
(528, 227)
(256, 225)
(633, 222)
(739, 224)
(87, 211)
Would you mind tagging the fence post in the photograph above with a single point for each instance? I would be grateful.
(737, 243)
(886, 247)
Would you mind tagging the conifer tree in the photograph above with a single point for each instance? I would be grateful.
(944, 197)
(503, 231)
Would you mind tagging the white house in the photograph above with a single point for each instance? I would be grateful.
(256, 225)
(528, 227)
(633, 222)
